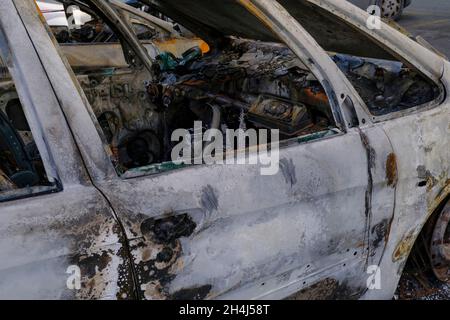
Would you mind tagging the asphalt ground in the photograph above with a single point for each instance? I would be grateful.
(431, 20)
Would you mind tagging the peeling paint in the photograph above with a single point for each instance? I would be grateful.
(199, 293)
(167, 230)
(327, 289)
(371, 156)
(160, 255)
(404, 247)
(288, 169)
(427, 176)
(381, 233)
(209, 200)
(391, 170)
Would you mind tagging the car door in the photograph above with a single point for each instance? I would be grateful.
(59, 239)
(229, 232)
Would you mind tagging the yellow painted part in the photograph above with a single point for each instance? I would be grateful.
(256, 12)
(38, 9)
(178, 46)
(204, 47)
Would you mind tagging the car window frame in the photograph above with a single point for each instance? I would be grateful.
(60, 154)
(342, 125)
(342, 129)
(375, 38)
(36, 130)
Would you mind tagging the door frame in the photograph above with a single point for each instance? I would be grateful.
(73, 225)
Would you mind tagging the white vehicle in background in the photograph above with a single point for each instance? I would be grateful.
(72, 24)
(56, 17)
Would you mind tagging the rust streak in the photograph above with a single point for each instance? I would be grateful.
(404, 247)
(391, 170)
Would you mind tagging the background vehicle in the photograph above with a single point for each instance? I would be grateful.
(73, 25)
(391, 9)
(55, 15)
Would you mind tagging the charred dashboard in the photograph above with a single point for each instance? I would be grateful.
(249, 85)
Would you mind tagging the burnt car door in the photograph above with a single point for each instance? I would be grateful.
(59, 236)
(228, 232)
(224, 231)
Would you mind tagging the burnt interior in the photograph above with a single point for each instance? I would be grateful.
(246, 85)
(386, 86)
(243, 84)
(21, 165)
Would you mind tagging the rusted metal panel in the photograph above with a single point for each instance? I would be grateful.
(391, 170)
(40, 242)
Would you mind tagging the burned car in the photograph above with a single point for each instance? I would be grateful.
(93, 206)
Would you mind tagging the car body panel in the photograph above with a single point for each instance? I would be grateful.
(43, 236)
